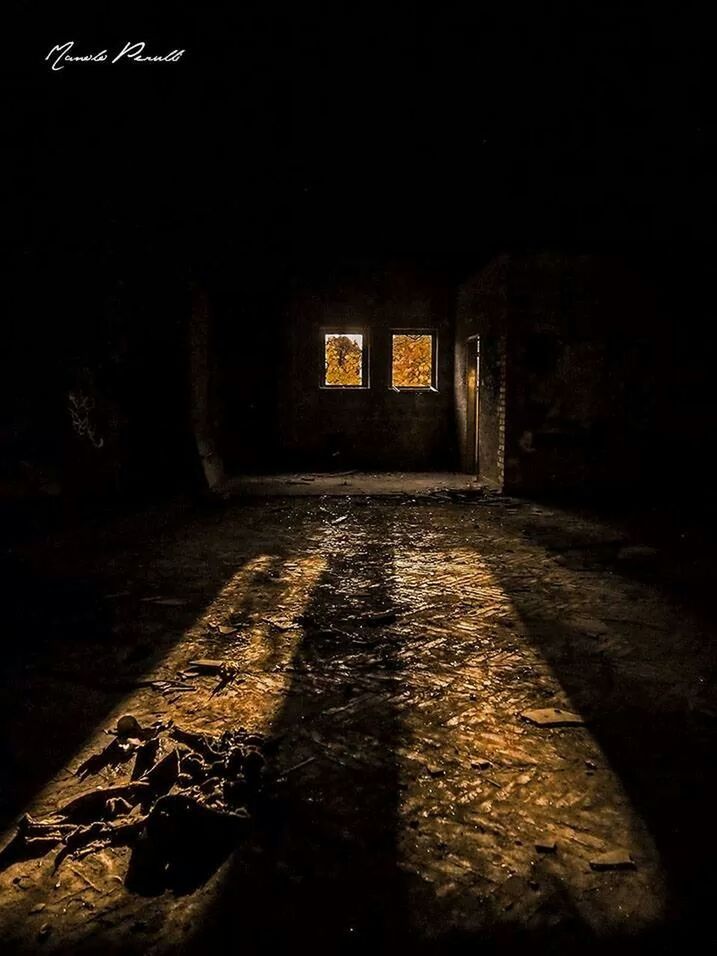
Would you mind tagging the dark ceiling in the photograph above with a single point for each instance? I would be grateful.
(364, 128)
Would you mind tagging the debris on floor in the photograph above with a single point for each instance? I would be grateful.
(613, 860)
(227, 671)
(187, 788)
(553, 717)
(420, 765)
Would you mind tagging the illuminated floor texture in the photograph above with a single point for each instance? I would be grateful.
(392, 649)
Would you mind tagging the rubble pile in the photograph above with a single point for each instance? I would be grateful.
(188, 795)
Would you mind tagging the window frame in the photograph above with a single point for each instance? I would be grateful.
(345, 330)
(433, 387)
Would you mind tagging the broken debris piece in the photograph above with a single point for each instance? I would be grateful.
(91, 804)
(203, 787)
(552, 717)
(128, 726)
(613, 860)
(206, 665)
(117, 807)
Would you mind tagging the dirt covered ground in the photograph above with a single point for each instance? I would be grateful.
(392, 653)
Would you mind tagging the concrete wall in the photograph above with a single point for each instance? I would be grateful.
(377, 427)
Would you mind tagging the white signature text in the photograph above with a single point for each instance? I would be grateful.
(60, 56)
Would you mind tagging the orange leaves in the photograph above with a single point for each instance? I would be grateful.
(343, 359)
(412, 361)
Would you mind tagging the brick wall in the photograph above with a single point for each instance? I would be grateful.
(482, 310)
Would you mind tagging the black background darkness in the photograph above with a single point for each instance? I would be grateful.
(290, 136)
(467, 126)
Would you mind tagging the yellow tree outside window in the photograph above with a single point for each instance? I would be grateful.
(412, 360)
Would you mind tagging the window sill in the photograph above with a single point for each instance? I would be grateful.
(419, 388)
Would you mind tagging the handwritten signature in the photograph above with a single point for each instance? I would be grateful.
(59, 56)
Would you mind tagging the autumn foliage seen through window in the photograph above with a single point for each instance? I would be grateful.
(412, 361)
(343, 359)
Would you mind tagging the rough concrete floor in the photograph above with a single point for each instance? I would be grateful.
(350, 483)
(417, 792)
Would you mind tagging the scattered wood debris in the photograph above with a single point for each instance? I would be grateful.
(188, 788)
(226, 671)
(206, 665)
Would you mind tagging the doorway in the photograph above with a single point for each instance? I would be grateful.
(472, 377)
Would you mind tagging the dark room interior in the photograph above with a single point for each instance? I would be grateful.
(357, 515)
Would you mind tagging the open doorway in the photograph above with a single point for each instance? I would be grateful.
(472, 378)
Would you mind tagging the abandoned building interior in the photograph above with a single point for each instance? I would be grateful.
(356, 486)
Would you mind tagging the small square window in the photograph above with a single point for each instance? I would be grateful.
(413, 360)
(344, 360)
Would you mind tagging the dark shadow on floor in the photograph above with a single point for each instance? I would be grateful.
(322, 872)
